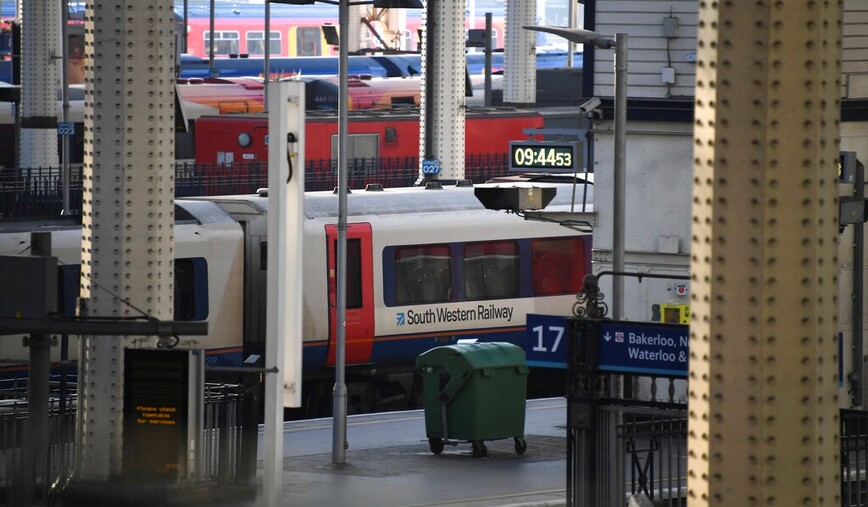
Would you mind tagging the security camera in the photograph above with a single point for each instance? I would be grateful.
(591, 105)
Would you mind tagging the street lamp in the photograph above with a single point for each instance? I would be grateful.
(580, 36)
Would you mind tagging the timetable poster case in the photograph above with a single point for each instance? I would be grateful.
(162, 413)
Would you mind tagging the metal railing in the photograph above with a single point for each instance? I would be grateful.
(642, 450)
(38, 192)
(854, 458)
(226, 455)
(57, 461)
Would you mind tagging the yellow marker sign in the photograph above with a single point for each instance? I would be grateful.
(675, 313)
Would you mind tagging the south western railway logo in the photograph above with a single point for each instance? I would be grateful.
(449, 315)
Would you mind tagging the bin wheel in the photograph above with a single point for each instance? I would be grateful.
(436, 445)
(520, 446)
(479, 450)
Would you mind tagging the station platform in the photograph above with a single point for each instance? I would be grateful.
(389, 464)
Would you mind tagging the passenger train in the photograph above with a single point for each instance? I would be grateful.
(298, 46)
(234, 139)
(296, 30)
(217, 108)
(425, 267)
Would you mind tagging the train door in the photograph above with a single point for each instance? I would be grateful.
(360, 293)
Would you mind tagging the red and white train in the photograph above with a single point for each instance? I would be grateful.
(425, 267)
(296, 30)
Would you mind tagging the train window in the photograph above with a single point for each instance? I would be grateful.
(256, 43)
(191, 289)
(68, 288)
(354, 272)
(5, 42)
(422, 274)
(558, 265)
(224, 43)
(308, 41)
(491, 270)
(366, 146)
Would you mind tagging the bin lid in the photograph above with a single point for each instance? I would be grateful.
(474, 356)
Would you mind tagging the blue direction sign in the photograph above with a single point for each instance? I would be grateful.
(547, 343)
(638, 347)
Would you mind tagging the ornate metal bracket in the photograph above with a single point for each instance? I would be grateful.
(590, 303)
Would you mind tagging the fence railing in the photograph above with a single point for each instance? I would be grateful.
(650, 456)
(854, 458)
(38, 192)
(226, 455)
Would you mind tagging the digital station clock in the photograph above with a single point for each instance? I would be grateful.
(546, 156)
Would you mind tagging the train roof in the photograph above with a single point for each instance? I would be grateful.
(389, 201)
(229, 10)
(192, 212)
(404, 112)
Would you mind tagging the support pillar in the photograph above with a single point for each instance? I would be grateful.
(763, 408)
(127, 266)
(519, 54)
(40, 80)
(441, 129)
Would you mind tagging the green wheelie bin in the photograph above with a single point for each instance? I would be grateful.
(474, 392)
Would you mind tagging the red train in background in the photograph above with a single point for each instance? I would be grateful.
(232, 140)
(245, 95)
(230, 96)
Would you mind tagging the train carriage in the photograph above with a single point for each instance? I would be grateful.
(425, 267)
(208, 278)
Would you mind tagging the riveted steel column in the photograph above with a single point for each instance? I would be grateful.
(441, 129)
(128, 214)
(40, 80)
(519, 54)
(763, 409)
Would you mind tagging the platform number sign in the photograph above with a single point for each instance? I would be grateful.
(65, 128)
(547, 343)
(430, 166)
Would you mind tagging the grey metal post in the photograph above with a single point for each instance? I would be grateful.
(858, 296)
(37, 390)
(211, 40)
(572, 8)
(618, 186)
(339, 428)
(487, 100)
(64, 90)
(266, 65)
(184, 47)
